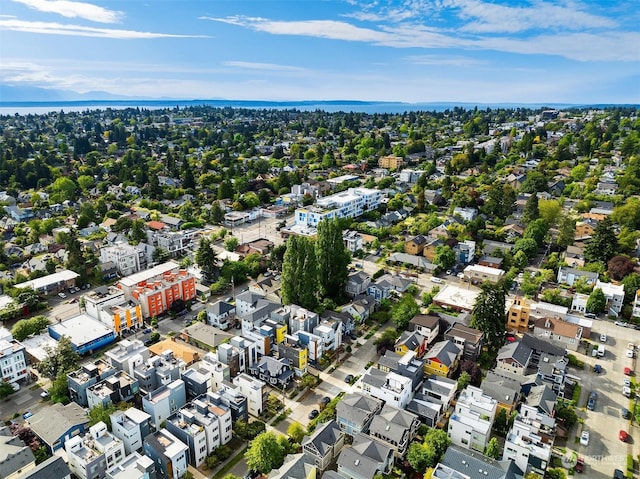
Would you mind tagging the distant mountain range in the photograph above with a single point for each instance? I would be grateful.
(11, 93)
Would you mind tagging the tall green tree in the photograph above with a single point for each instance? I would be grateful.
(603, 244)
(265, 453)
(404, 310)
(566, 230)
(444, 257)
(299, 278)
(596, 302)
(488, 314)
(207, 260)
(493, 448)
(536, 230)
(531, 210)
(332, 258)
(420, 457)
(59, 360)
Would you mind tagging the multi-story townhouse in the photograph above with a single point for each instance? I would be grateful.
(164, 401)
(131, 427)
(112, 390)
(392, 388)
(13, 361)
(127, 258)
(203, 425)
(91, 455)
(170, 455)
(470, 424)
(127, 355)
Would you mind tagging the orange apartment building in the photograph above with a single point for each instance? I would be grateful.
(518, 316)
(156, 289)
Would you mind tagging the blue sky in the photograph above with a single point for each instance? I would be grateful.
(412, 51)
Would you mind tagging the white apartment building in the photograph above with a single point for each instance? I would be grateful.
(128, 259)
(89, 456)
(134, 466)
(127, 355)
(13, 361)
(130, 426)
(470, 424)
(170, 455)
(102, 297)
(346, 204)
(255, 390)
(526, 443)
(394, 389)
(478, 274)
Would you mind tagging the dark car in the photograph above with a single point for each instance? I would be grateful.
(314, 414)
(618, 474)
(146, 331)
(625, 413)
(325, 400)
(591, 403)
(597, 369)
(348, 378)
(580, 464)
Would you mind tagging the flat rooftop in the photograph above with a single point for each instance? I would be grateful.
(457, 296)
(147, 274)
(81, 329)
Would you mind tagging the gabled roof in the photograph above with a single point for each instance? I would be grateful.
(470, 463)
(14, 453)
(323, 438)
(518, 351)
(296, 466)
(425, 320)
(366, 456)
(471, 335)
(543, 398)
(220, 307)
(445, 352)
(410, 339)
(541, 346)
(67, 417)
(392, 423)
(52, 468)
(357, 408)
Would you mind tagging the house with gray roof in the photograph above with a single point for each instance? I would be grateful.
(460, 463)
(442, 359)
(366, 458)
(324, 445)
(407, 365)
(356, 411)
(361, 307)
(543, 399)
(276, 372)
(571, 275)
(357, 283)
(469, 339)
(514, 358)
(295, 466)
(503, 389)
(395, 427)
(220, 314)
(71, 420)
(15, 455)
(54, 467)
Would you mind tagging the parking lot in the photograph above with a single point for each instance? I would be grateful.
(605, 452)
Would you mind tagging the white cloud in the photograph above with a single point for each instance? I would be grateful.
(489, 17)
(71, 9)
(455, 61)
(51, 28)
(602, 46)
(264, 66)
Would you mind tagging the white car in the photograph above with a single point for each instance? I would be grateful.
(584, 438)
(626, 391)
(629, 353)
(435, 279)
(603, 338)
(626, 382)
(460, 275)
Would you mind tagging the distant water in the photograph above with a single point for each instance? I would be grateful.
(38, 108)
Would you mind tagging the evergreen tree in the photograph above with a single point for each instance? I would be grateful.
(566, 231)
(299, 273)
(488, 314)
(207, 260)
(216, 214)
(531, 211)
(596, 302)
(603, 244)
(332, 258)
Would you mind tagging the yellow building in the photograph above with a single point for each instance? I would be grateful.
(442, 359)
(518, 315)
(391, 162)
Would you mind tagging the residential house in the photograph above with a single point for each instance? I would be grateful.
(53, 467)
(134, 466)
(221, 314)
(525, 443)
(467, 214)
(415, 245)
(429, 250)
(13, 359)
(71, 420)
(407, 365)
(323, 446)
(395, 427)
(614, 294)
(295, 353)
(442, 359)
(356, 411)
(465, 251)
(353, 240)
(585, 229)
(433, 400)
(427, 325)
(159, 371)
(570, 275)
(89, 374)
(489, 247)
(164, 401)
(411, 341)
(392, 388)
(574, 256)
(170, 455)
(460, 463)
(514, 358)
(357, 283)
(365, 459)
(276, 372)
(542, 399)
(268, 286)
(16, 458)
(131, 427)
(127, 354)
(491, 262)
(504, 389)
(295, 466)
(561, 333)
(360, 308)
(469, 339)
(470, 424)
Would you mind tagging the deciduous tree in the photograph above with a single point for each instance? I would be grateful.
(61, 359)
(493, 448)
(265, 453)
(620, 266)
(404, 310)
(596, 302)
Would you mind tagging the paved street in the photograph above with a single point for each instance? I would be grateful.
(605, 451)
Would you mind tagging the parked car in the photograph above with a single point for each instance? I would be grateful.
(325, 400)
(15, 386)
(579, 464)
(28, 414)
(626, 391)
(61, 295)
(603, 338)
(348, 378)
(629, 353)
(147, 331)
(628, 372)
(618, 474)
(625, 413)
(313, 414)
(435, 279)
(597, 369)
(623, 436)
(460, 275)
(626, 382)
(44, 394)
(584, 438)
(591, 403)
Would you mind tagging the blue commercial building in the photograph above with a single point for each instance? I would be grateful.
(86, 333)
